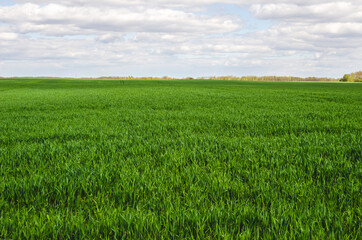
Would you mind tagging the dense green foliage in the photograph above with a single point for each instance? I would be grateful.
(353, 77)
(179, 159)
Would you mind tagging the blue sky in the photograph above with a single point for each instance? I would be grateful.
(7, 3)
(199, 38)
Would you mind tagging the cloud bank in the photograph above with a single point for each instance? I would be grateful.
(191, 38)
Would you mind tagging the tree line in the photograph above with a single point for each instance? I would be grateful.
(244, 78)
(352, 77)
(275, 78)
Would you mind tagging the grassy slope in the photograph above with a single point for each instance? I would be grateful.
(181, 159)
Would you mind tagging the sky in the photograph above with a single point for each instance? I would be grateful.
(189, 38)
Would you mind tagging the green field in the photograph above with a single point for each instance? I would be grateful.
(180, 159)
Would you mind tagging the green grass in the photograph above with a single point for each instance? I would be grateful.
(179, 159)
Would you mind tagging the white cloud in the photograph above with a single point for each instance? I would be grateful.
(182, 38)
(30, 17)
(328, 32)
(335, 11)
(6, 36)
(138, 3)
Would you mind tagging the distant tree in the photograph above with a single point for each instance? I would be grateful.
(358, 76)
(347, 78)
(353, 77)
